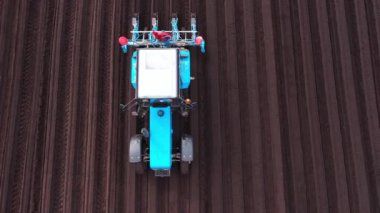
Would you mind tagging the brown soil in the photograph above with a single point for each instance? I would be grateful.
(288, 117)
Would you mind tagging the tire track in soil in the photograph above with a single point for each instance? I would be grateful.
(92, 109)
(64, 128)
(19, 172)
(47, 33)
(82, 105)
(38, 112)
(114, 105)
(5, 77)
(53, 120)
(9, 87)
(75, 84)
(104, 125)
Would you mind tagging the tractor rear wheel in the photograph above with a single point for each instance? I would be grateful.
(136, 154)
(186, 153)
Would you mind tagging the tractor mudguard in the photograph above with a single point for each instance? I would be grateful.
(135, 149)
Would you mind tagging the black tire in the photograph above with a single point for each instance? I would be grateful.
(140, 167)
(185, 167)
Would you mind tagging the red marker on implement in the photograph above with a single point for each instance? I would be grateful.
(162, 36)
(198, 40)
(123, 41)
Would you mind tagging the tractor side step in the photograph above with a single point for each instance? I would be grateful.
(187, 148)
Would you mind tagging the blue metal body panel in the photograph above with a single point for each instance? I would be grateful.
(203, 47)
(160, 138)
(133, 69)
(184, 68)
(124, 48)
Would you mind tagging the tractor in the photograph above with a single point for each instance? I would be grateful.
(160, 73)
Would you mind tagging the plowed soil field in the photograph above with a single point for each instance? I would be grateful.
(288, 117)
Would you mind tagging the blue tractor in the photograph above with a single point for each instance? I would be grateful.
(160, 73)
